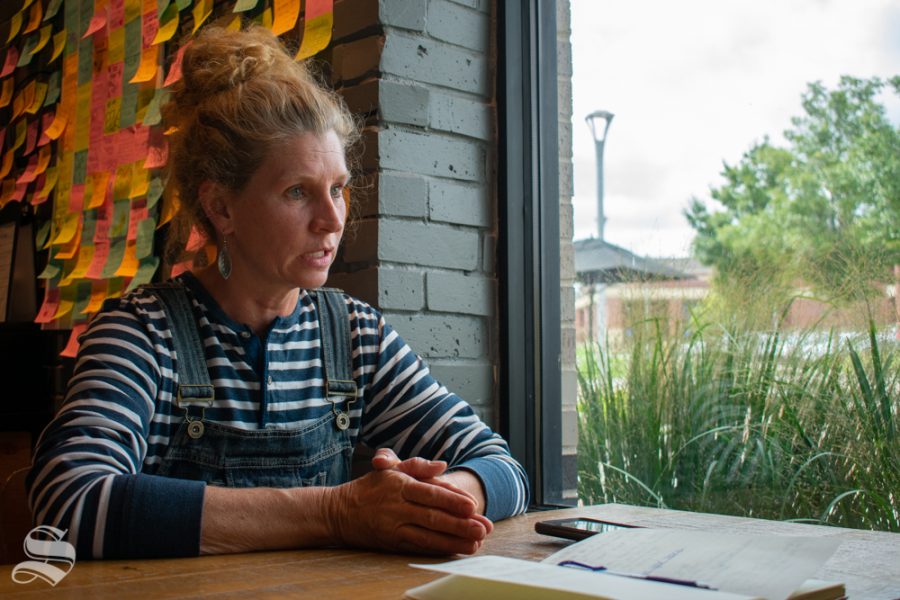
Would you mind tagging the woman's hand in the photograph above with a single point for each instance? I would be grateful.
(434, 472)
(404, 505)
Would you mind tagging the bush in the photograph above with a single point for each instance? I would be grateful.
(799, 426)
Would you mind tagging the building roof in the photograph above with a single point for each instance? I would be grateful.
(598, 261)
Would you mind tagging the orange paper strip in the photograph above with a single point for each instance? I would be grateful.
(34, 20)
(286, 13)
(149, 64)
(71, 349)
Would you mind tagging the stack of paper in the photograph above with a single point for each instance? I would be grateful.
(646, 564)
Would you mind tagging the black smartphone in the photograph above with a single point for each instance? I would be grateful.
(577, 528)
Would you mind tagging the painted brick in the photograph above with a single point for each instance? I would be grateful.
(569, 387)
(564, 102)
(401, 289)
(563, 58)
(430, 154)
(470, 380)
(460, 115)
(570, 475)
(569, 427)
(563, 20)
(567, 261)
(402, 195)
(566, 221)
(565, 177)
(355, 59)
(402, 103)
(432, 61)
(414, 242)
(567, 333)
(489, 253)
(450, 291)
(458, 25)
(441, 336)
(405, 14)
(482, 5)
(454, 202)
(564, 128)
(567, 301)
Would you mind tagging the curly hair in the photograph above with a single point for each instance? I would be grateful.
(240, 93)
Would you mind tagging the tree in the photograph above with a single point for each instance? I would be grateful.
(824, 209)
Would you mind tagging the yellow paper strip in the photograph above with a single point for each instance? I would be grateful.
(201, 11)
(68, 229)
(168, 25)
(7, 92)
(40, 92)
(15, 24)
(59, 42)
(49, 183)
(46, 31)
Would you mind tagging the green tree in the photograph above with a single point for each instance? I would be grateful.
(825, 209)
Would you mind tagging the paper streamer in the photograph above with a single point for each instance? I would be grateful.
(318, 23)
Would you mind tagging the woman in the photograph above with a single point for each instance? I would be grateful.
(140, 461)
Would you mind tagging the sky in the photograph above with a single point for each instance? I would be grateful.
(693, 83)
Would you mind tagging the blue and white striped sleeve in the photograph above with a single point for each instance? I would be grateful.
(408, 411)
(86, 472)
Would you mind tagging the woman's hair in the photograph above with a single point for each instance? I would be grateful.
(240, 93)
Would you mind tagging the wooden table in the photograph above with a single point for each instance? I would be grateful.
(867, 562)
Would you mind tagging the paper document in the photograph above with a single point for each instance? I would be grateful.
(768, 566)
(498, 578)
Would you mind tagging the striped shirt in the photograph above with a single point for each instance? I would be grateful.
(95, 465)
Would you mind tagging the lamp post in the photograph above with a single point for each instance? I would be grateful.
(598, 121)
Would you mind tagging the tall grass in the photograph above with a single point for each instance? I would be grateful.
(782, 425)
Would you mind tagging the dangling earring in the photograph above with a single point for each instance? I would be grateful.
(224, 260)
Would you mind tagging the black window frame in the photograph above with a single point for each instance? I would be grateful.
(529, 245)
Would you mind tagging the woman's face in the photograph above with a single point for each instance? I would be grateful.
(289, 218)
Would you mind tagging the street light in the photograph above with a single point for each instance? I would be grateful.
(599, 121)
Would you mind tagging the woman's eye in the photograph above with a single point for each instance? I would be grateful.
(296, 192)
(337, 191)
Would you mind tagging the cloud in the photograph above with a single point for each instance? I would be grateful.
(697, 82)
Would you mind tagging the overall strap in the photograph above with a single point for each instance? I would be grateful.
(194, 384)
(334, 326)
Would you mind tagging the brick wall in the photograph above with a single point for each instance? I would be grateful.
(421, 74)
(566, 250)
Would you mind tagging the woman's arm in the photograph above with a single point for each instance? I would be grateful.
(386, 509)
(409, 412)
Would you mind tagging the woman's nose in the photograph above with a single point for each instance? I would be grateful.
(329, 214)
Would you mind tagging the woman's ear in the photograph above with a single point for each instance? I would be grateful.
(214, 200)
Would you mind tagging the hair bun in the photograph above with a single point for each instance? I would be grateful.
(219, 59)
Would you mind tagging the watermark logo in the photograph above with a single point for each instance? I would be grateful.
(45, 545)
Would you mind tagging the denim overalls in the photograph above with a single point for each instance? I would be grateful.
(317, 454)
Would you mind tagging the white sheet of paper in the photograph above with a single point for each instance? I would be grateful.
(768, 566)
(473, 577)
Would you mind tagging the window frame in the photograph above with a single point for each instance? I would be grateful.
(529, 243)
